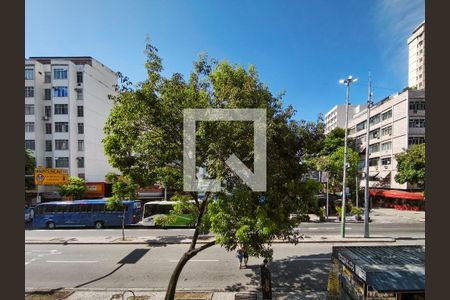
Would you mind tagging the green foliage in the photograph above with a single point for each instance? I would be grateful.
(333, 140)
(339, 211)
(144, 140)
(30, 164)
(357, 211)
(321, 214)
(122, 186)
(75, 188)
(411, 166)
(333, 163)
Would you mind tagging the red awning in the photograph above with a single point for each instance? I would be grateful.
(397, 194)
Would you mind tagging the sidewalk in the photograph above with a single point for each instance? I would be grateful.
(187, 240)
(390, 215)
(159, 295)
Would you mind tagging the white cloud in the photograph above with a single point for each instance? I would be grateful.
(394, 21)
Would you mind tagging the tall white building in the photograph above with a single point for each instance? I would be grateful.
(66, 105)
(416, 61)
(396, 123)
(335, 118)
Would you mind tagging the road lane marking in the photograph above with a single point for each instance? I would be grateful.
(311, 258)
(72, 261)
(196, 260)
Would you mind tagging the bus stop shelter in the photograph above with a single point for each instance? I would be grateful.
(377, 272)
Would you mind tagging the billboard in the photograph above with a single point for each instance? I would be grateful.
(48, 176)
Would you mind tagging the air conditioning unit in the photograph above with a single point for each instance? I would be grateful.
(79, 83)
(385, 167)
(45, 118)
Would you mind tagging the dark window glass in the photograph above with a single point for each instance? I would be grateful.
(47, 94)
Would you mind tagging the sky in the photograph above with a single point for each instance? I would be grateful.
(300, 47)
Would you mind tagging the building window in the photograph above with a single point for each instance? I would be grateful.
(29, 74)
(48, 128)
(80, 145)
(374, 148)
(80, 128)
(49, 162)
(360, 139)
(79, 77)
(361, 126)
(386, 115)
(373, 162)
(386, 131)
(79, 94)
(62, 162)
(374, 134)
(60, 91)
(29, 126)
(30, 145)
(417, 123)
(80, 162)
(47, 77)
(80, 111)
(48, 145)
(386, 161)
(29, 109)
(61, 109)
(29, 91)
(416, 140)
(61, 127)
(81, 175)
(386, 146)
(48, 111)
(59, 74)
(375, 119)
(417, 105)
(47, 94)
(61, 144)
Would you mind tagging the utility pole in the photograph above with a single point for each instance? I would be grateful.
(327, 198)
(347, 82)
(357, 190)
(366, 188)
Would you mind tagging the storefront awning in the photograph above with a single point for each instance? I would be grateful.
(397, 194)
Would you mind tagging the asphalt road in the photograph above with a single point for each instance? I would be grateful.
(302, 267)
(396, 230)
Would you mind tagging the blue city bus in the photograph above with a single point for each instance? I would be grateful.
(84, 213)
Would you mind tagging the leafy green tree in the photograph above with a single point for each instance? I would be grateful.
(122, 188)
(144, 140)
(333, 140)
(411, 166)
(30, 164)
(74, 189)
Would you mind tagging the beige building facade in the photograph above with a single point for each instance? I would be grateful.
(396, 123)
(416, 58)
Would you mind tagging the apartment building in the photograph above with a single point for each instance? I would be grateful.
(416, 58)
(66, 105)
(396, 123)
(335, 118)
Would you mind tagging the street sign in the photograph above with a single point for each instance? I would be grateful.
(49, 176)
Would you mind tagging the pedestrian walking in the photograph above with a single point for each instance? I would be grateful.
(245, 256)
(240, 255)
(266, 281)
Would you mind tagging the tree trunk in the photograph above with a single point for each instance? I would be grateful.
(170, 293)
(171, 288)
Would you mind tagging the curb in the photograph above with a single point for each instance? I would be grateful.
(322, 240)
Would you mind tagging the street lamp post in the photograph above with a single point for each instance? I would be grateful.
(347, 82)
(366, 188)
